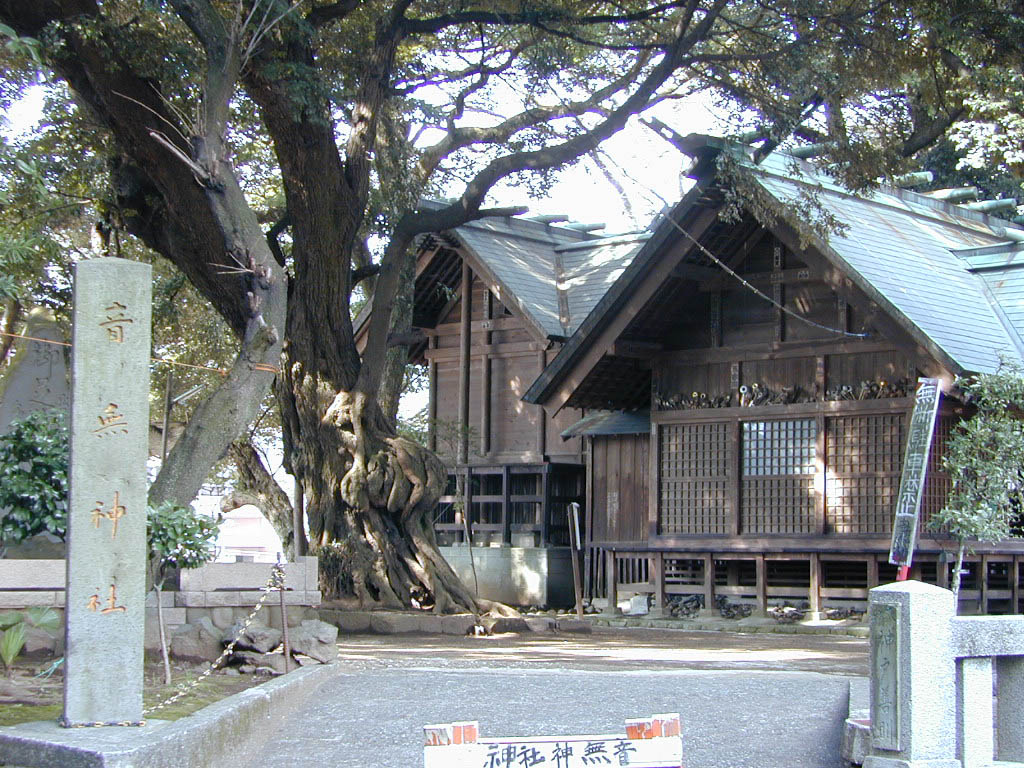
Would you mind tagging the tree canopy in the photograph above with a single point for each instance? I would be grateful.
(276, 153)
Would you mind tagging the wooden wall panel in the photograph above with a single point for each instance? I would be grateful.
(814, 301)
(851, 369)
(448, 407)
(619, 482)
(514, 423)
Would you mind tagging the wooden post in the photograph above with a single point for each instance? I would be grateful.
(541, 414)
(588, 544)
(575, 543)
(545, 504)
(1015, 585)
(464, 363)
(657, 566)
(941, 572)
(814, 592)
(432, 401)
(983, 584)
(872, 572)
(709, 581)
(485, 402)
(506, 506)
(733, 489)
(762, 585)
(612, 581)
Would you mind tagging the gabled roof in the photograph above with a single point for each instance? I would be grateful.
(906, 246)
(909, 253)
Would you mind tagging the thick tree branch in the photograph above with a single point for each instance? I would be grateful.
(325, 14)
(536, 17)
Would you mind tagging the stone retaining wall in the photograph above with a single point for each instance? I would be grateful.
(220, 592)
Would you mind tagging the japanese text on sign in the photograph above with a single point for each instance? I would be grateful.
(116, 321)
(116, 512)
(915, 468)
(557, 754)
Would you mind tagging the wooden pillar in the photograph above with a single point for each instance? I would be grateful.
(762, 584)
(657, 560)
(587, 444)
(506, 505)
(653, 484)
(464, 363)
(778, 263)
(432, 401)
(715, 319)
(941, 572)
(485, 403)
(872, 572)
(821, 453)
(733, 489)
(541, 415)
(814, 591)
(709, 581)
(1015, 585)
(983, 583)
(611, 581)
(545, 504)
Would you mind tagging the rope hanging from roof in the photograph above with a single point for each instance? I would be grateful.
(761, 294)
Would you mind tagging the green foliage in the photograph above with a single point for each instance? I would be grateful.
(16, 625)
(985, 460)
(179, 537)
(34, 477)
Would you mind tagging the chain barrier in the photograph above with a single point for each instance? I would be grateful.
(274, 584)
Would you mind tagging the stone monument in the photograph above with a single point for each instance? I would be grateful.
(106, 537)
(913, 694)
(37, 378)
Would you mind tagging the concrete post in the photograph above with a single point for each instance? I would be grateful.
(106, 536)
(913, 707)
(1010, 682)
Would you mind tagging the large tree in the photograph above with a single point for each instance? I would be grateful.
(353, 111)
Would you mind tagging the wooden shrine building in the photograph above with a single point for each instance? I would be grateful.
(496, 299)
(746, 384)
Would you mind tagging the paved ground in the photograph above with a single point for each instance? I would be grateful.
(745, 700)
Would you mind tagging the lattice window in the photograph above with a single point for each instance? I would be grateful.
(865, 455)
(779, 447)
(937, 484)
(694, 461)
(777, 486)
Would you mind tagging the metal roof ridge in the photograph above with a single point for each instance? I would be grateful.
(530, 224)
(906, 195)
(633, 237)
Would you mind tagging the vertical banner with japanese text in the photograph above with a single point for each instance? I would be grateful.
(106, 536)
(915, 470)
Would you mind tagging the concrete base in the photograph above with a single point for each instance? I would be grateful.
(888, 762)
(517, 575)
(214, 736)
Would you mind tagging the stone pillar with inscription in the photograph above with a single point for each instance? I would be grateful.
(913, 690)
(106, 538)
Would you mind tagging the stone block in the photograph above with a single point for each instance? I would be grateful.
(316, 639)
(457, 624)
(271, 615)
(387, 623)
(222, 616)
(257, 637)
(430, 623)
(14, 599)
(189, 599)
(39, 643)
(33, 574)
(275, 662)
(193, 615)
(350, 622)
(540, 623)
(225, 598)
(166, 598)
(237, 577)
(500, 625)
(581, 626)
(312, 568)
(192, 645)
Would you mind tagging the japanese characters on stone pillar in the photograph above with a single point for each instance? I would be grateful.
(106, 537)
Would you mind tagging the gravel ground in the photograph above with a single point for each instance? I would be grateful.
(745, 700)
